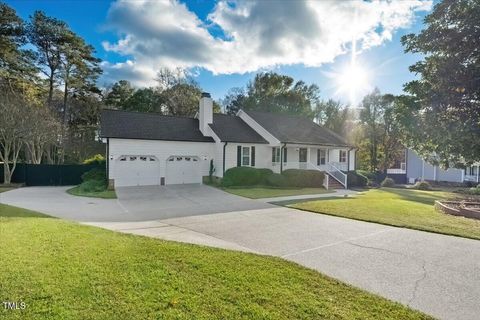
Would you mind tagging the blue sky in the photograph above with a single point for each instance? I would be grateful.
(215, 40)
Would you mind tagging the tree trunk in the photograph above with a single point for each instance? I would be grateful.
(50, 89)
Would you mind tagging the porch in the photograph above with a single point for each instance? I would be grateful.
(472, 173)
(333, 161)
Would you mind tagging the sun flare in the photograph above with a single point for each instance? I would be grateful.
(353, 81)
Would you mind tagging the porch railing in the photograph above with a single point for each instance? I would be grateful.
(337, 174)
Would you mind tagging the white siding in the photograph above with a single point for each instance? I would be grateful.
(263, 155)
(162, 150)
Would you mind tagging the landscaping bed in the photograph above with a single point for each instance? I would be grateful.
(63, 270)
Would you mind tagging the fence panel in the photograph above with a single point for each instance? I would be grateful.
(49, 174)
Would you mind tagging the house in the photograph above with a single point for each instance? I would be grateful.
(410, 168)
(154, 149)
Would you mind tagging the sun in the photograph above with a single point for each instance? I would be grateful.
(352, 80)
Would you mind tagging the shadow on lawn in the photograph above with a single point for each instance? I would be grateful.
(424, 197)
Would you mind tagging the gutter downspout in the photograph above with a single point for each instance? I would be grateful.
(224, 148)
(281, 156)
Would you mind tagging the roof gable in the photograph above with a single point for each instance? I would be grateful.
(296, 129)
(234, 129)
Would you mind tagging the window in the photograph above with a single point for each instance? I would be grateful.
(276, 154)
(123, 159)
(245, 156)
(302, 155)
(133, 158)
(343, 156)
(321, 157)
(143, 158)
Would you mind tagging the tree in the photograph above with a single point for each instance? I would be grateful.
(441, 112)
(370, 116)
(42, 130)
(143, 100)
(272, 92)
(17, 70)
(13, 131)
(332, 115)
(79, 69)
(47, 35)
(120, 92)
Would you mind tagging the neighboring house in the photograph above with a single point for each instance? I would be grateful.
(153, 149)
(410, 168)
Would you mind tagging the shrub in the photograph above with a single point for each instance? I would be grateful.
(96, 159)
(277, 180)
(245, 176)
(422, 185)
(369, 175)
(356, 179)
(95, 174)
(388, 182)
(474, 191)
(304, 178)
(93, 186)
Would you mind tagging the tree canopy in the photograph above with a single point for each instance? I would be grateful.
(272, 92)
(440, 115)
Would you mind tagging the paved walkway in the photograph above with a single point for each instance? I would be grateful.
(336, 193)
(437, 274)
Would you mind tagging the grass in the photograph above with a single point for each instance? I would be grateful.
(105, 194)
(63, 270)
(259, 192)
(4, 189)
(398, 207)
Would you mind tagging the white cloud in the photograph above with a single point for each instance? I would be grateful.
(258, 35)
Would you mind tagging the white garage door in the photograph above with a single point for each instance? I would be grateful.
(183, 170)
(137, 170)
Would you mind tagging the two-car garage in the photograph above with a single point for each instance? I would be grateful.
(145, 170)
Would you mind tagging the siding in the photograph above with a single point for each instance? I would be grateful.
(162, 150)
(415, 166)
(263, 155)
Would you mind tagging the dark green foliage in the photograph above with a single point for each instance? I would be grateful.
(211, 171)
(277, 180)
(422, 185)
(304, 178)
(245, 176)
(95, 174)
(356, 179)
(93, 185)
(388, 182)
(441, 112)
(273, 92)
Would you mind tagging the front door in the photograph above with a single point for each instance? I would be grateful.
(302, 157)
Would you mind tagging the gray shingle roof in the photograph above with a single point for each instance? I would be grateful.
(234, 129)
(296, 129)
(149, 126)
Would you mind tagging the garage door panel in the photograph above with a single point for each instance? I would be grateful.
(183, 170)
(137, 170)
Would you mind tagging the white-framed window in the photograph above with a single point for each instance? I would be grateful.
(321, 157)
(246, 156)
(343, 156)
(276, 154)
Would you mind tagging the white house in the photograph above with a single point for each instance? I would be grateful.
(410, 168)
(154, 149)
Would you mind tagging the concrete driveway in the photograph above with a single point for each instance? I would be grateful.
(133, 203)
(437, 274)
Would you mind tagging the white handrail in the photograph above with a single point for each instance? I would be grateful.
(337, 174)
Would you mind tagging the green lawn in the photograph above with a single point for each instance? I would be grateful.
(398, 207)
(106, 194)
(266, 192)
(3, 189)
(63, 270)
